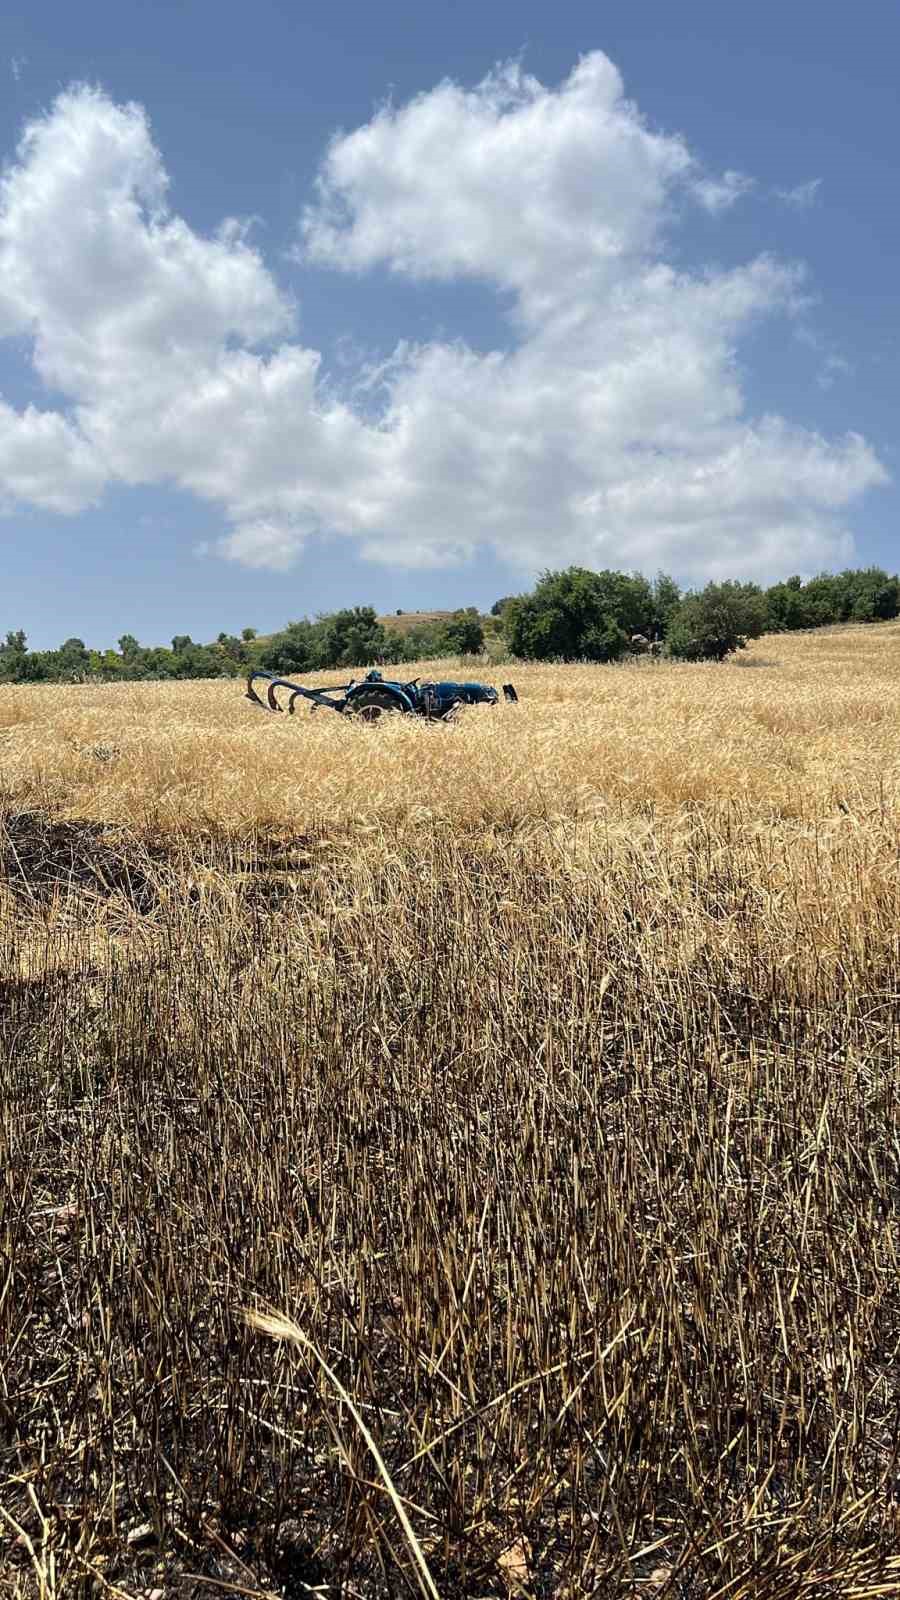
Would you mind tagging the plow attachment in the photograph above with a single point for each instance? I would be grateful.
(372, 697)
(319, 697)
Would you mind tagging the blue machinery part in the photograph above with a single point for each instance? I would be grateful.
(372, 696)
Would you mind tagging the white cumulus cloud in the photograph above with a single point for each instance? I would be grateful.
(533, 190)
(46, 462)
(612, 429)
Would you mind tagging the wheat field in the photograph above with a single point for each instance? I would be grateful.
(455, 1159)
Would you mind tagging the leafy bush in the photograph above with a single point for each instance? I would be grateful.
(351, 637)
(864, 594)
(708, 626)
(464, 632)
(578, 615)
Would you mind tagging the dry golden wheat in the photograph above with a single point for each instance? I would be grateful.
(788, 729)
(542, 1068)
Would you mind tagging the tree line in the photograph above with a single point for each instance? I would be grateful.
(580, 615)
(571, 615)
(356, 638)
(351, 637)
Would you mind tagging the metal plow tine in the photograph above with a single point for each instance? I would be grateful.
(299, 694)
(317, 697)
(251, 692)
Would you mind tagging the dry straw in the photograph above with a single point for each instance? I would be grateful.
(543, 1067)
(278, 1326)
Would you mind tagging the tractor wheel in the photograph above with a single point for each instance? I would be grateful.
(371, 704)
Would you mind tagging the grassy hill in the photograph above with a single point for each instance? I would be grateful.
(407, 620)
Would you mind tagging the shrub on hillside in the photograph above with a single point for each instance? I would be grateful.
(709, 625)
(578, 615)
(863, 594)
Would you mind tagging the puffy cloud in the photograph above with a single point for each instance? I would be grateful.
(612, 430)
(544, 193)
(109, 284)
(46, 462)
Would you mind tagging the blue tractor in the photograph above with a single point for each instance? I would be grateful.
(373, 696)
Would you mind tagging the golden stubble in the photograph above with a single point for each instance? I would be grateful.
(540, 1069)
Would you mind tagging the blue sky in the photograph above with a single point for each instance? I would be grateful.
(632, 300)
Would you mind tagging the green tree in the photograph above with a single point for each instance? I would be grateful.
(200, 661)
(232, 648)
(708, 626)
(824, 597)
(787, 606)
(161, 663)
(352, 638)
(13, 653)
(74, 653)
(70, 663)
(427, 641)
(104, 664)
(887, 600)
(297, 648)
(666, 598)
(870, 595)
(463, 633)
(578, 615)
